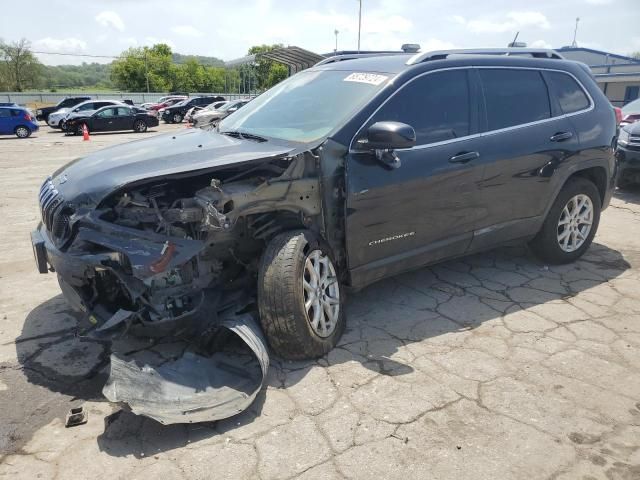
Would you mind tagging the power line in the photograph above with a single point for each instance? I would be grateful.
(75, 54)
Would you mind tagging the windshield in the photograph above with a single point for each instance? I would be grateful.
(630, 108)
(307, 106)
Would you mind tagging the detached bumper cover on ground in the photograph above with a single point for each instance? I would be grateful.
(194, 388)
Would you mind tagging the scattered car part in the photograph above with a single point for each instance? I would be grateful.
(76, 416)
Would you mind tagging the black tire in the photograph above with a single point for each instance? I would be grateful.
(80, 129)
(281, 298)
(546, 244)
(140, 126)
(22, 132)
(176, 118)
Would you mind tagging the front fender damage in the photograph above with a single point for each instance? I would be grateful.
(175, 260)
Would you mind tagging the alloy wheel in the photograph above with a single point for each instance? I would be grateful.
(575, 223)
(321, 293)
(22, 132)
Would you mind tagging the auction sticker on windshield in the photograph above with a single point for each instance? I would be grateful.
(370, 78)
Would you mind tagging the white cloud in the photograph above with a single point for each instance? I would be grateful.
(540, 44)
(432, 44)
(600, 2)
(111, 19)
(150, 41)
(374, 22)
(511, 22)
(129, 41)
(187, 31)
(60, 45)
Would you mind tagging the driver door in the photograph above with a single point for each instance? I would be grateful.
(426, 209)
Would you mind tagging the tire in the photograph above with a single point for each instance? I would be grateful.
(176, 118)
(547, 243)
(22, 132)
(80, 129)
(63, 125)
(282, 295)
(140, 126)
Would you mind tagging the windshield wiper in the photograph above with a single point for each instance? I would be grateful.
(243, 135)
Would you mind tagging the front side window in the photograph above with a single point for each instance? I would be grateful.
(435, 105)
(569, 94)
(108, 112)
(514, 97)
(84, 107)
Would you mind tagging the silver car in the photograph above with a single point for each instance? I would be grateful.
(206, 116)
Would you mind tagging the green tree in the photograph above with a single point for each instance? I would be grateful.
(635, 55)
(20, 67)
(138, 67)
(267, 72)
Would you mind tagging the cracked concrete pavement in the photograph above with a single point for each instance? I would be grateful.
(490, 367)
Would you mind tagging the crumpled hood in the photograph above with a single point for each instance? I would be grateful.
(104, 171)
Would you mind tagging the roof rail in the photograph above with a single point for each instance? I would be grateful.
(442, 54)
(352, 56)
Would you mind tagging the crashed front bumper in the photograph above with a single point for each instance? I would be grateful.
(203, 384)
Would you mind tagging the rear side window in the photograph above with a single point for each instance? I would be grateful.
(435, 105)
(569, 94)
(5, 113)
(514, 97)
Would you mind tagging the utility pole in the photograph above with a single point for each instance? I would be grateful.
(359, 23)
(336, 32)
(146, 68)
(575, 33)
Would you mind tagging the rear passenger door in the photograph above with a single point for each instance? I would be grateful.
(526, 138)
(123, 119)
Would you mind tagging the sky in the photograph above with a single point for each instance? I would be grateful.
(227, 29)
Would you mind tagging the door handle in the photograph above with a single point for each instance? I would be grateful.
(561, 136)
(464, 157)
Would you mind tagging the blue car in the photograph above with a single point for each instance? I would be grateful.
(17, 121)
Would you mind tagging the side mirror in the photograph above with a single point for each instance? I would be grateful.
(232, 109)
(385, 137)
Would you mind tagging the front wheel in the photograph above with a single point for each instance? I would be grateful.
(571, 223)
(22, 132)
(80, 129)
(177, 118)
(140, 126)
(299, 296)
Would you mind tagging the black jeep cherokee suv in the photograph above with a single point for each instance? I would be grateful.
(356, 169)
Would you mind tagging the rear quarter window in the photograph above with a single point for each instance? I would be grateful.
(514, 97)
(569, 93)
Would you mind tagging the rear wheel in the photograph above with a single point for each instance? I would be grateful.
(22, 132)
(571, 223)
(140, 126)
(299, 296)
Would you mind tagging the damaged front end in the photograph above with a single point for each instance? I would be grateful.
(177, 257)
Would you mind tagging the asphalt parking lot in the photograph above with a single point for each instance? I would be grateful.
(491, 367)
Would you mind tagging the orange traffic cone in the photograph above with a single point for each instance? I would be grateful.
(85, 133)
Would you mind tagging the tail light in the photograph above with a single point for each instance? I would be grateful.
(27, 117)
(618, 111)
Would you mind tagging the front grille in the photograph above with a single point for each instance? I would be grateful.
(50, 202)
(55, 215)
